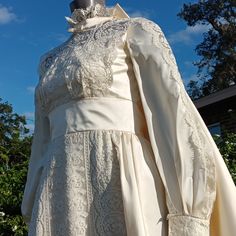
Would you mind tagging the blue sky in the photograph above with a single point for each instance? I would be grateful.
(30, 28)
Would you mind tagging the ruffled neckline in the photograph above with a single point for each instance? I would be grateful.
(81, 19)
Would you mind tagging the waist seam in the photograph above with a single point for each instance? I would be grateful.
(101, 130)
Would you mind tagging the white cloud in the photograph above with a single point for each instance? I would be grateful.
(187, 35)
(30, 120)
(132, 12)
(30, 89)
(6, 15)
(29, 115)
(144, 14)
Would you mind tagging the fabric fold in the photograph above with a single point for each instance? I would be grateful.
(142, 188)
(37, 158)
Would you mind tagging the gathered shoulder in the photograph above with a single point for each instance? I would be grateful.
(147, 29)
(151, 28)
(150, 35)
(146, 25)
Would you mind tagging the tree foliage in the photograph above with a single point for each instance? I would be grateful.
(227, 147)
(15, 146)
(217, 66)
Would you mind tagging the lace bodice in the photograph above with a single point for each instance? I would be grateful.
(86, 65)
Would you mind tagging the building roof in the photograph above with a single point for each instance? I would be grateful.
(215, 97)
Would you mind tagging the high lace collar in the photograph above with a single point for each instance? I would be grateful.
(79, 17)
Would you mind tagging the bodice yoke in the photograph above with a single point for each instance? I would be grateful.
(92, 63)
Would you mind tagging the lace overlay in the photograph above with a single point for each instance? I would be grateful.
(83, 63)
(187, 226)
(85, 166)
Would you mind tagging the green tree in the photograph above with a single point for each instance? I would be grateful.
(15, 143)
(217, 51)
(194, 90)
(227, 147)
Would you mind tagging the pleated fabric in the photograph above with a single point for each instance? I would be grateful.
(96, 183)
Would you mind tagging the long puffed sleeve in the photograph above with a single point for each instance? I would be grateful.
(200, 193)
(38, 148)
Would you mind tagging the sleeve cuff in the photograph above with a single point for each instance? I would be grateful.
(187, 225)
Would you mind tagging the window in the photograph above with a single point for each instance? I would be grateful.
(214, 128)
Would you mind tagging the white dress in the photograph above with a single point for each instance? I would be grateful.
(119, 148)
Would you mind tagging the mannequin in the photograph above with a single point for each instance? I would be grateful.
(76, 4)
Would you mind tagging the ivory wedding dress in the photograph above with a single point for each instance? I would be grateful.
(119, 148)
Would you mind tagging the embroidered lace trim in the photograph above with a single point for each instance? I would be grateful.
(188, 226)
(80, 190)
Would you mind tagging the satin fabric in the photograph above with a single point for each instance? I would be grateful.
(162, 185)
(161, 89)
(97, 114)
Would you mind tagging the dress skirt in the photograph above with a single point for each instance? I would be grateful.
(99, 182)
